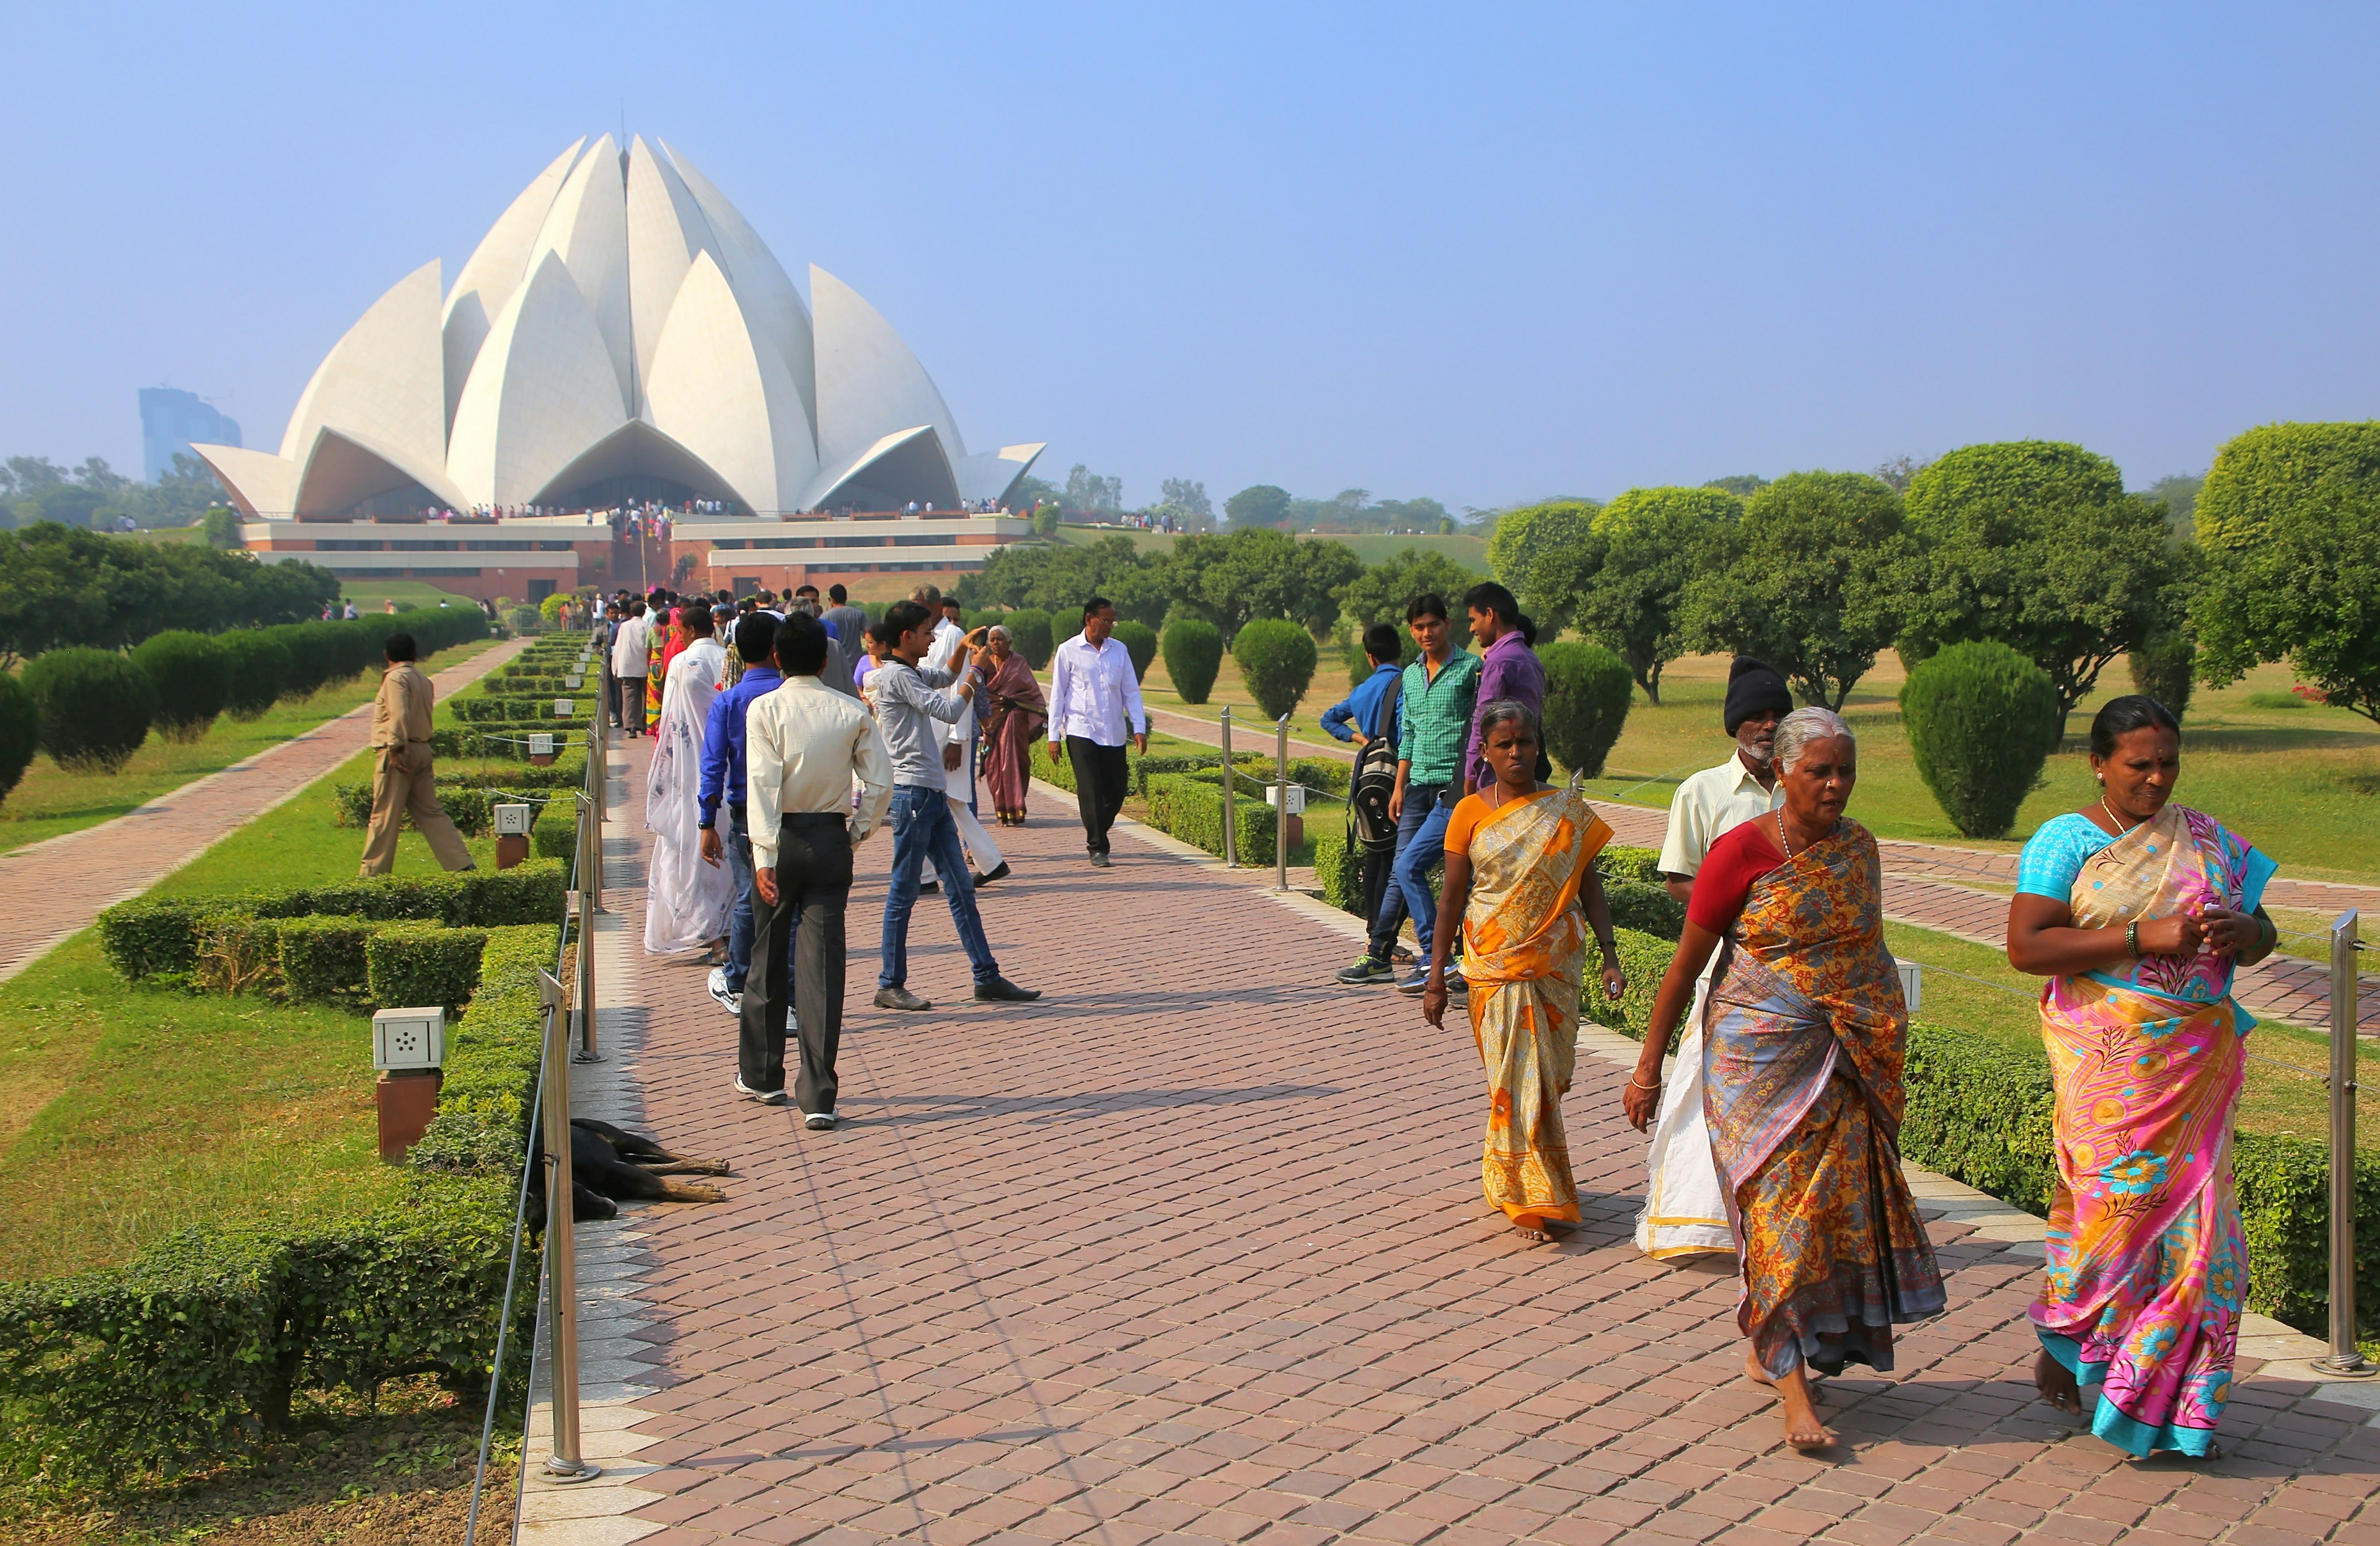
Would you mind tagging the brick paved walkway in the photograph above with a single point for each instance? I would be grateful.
(52, 889)
(1193, 1250)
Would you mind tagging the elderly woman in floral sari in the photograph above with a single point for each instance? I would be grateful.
(2138, 911)
(1803, 1050)
(1520, 875)
(1014, 713)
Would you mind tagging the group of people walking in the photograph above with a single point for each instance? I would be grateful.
(1774, 1127)
(777, 756)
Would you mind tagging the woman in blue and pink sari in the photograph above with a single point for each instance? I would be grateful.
(2138, 911)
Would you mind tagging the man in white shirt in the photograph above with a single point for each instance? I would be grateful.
(1094, 705)
(804, 745)
(1684, 1210)
(629, 668)
(958, 752)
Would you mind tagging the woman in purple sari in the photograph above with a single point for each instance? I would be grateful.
(1013, 714)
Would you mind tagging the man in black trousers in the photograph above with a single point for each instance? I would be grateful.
(1094, 708)
(803, 745)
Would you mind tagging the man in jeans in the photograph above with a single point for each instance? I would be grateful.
(913, 705)
(1436, 701)
(724, 770)
(804, 745)
(1359, 718)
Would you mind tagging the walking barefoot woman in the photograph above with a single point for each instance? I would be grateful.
(1802, 1064)
(1519, 867)
(2138, 910)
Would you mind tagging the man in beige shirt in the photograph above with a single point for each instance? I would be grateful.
(804, 744)
(402, 780)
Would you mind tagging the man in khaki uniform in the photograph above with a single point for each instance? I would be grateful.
(401, 778)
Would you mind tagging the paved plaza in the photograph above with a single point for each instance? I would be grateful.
(1193, 1250)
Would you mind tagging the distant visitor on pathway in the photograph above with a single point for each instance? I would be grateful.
(688, 901)
(1803, 1062)
(723, 794)
(1094, 708)
(958, 751)
(1684, 1210)
(1521, 884)
(1013, 714)
(628, 669)
(403, 782)
(1509, 669)
(2140, 911)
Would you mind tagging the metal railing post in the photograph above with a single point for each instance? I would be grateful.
(2343, 1360)
(564, 1464)
(1280, 803)
(591, 861)
(1231, 827)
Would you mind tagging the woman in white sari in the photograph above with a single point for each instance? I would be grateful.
(688, 901)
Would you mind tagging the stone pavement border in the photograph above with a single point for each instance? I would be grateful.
(902, 1331)
(53, 888)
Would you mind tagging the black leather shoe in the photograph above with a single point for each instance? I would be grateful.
(1100, 861)
(931, 888)
(900, 998)
(1000, 989)
(986, 878)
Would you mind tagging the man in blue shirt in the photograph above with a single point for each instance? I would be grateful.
(1358, 719)
(723, 785)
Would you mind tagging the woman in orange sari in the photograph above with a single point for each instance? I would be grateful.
(1520, 870)
(1804, 1038)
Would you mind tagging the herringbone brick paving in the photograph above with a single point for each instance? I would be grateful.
(52, 889)
(1193, 1250)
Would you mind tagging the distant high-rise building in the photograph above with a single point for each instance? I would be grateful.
(170, 419)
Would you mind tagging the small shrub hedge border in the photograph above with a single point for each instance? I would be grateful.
(196, 1351)
(553, 814)
(358, 962)
(150, 937)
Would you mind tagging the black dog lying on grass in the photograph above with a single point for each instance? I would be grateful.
(609, 1166)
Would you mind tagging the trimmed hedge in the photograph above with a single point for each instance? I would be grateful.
(1982, 720)
(1193, 652)
(260, 670)
(1276, 659)
(411, 964)
(1029, 631)
(2162, 667)
(192, 678)
(1190, 806)
(194, 1353)
(21, 732)
(1588, 690)
(1139, 641)
(96, 707)
(150, 937)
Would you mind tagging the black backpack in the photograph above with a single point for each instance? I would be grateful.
(1369, 825)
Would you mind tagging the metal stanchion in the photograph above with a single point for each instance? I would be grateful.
(1281, 806)
(561, 1250)
(590, 859)
(2343, 1360)
(1231, 827)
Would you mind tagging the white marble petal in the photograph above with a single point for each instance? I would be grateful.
(991, 474)
(896, 469)
(588, 228)
(493, 271)
(763, 288)
(262, 486)
(344, 469)
(385, 379)
(542, 393)
(666, 232)
(869, 383)
(728, 397)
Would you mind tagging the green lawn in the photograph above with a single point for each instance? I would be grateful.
(368, 594)
(50, 801)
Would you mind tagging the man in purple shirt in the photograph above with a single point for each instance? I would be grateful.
(1507, 668)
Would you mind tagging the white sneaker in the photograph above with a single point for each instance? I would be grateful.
(766, 1096)
(820, 1122)
(732, 1002)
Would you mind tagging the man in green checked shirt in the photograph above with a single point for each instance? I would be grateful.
(1435, 707)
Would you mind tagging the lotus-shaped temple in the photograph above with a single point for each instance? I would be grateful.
(622, 339)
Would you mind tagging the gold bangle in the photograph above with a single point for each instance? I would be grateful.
(1633, 1085)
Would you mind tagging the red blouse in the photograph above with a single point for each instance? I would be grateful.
(1741, 855)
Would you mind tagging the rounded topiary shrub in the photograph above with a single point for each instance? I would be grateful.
(1028, 633)
(21, 732)
(1982, 719)
(307, 670)
(259, 664)
(1193, 652)
(2162, 667)
(1140, 642)
(1587, 692)
(96, 707)
(1276, 659)
(192, 679)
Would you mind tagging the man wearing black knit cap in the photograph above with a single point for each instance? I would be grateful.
(1684, 1210)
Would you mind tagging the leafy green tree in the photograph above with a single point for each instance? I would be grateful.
(1185, 500)
(1587, 704)
(1257, 572)
(2035, 545)
(1058, 578)
(1815, 585)
(1379, 593)
(20, 731)
(222, 528)
(2290, 521)
(1257, 504)
(1088, 492)
(1139, 641)
(1193, 652)
(2178, 495)
(1982, 720)
(1744, 485)
(1523, 536)
(1622, 585)
(1276, 659)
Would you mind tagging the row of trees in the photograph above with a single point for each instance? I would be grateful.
(94, 494)
(61, 586)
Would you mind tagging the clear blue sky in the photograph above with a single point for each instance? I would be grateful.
(1483, 253)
